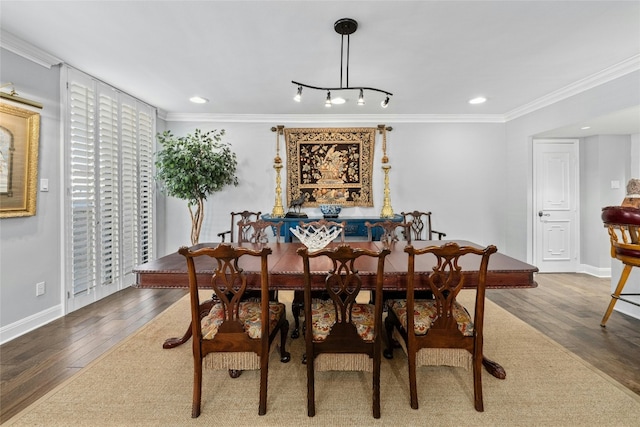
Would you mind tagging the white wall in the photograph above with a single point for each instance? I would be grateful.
(457, 171)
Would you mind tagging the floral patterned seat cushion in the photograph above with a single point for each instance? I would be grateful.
(425, 314)
(323, 317)
(249, 316)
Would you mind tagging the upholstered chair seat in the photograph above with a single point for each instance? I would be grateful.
(249, 315)
(426, 312)
(323, 317)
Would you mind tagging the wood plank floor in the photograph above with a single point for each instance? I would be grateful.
(566, 307)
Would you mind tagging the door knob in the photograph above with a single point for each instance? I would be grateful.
(540, 214)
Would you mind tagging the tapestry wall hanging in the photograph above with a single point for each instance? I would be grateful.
(330, 166)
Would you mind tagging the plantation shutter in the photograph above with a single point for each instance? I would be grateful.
(81, 186)
(109, 174)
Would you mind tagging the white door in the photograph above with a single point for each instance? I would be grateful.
(556, 203)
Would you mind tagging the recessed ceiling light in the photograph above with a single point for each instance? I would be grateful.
(198, 100)
(585, 127)
(478, 100)
(338, 100)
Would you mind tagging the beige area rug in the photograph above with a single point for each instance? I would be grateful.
(139, 383)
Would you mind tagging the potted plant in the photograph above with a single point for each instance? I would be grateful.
(193, 167)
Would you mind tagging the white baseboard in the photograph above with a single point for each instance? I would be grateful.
(14, 330)
(594, 271)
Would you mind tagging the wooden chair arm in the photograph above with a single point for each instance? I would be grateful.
(224, 233)
(439, 233)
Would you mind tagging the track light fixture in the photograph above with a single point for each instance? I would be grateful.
(344, 27)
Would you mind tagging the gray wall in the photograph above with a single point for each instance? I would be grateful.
(30, 246)
(604, 158)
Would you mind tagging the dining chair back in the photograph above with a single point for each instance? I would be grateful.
(228, 323)
(442, 322)
(298, 302)
(236, 217)
(259, 231)
(389, 231)
(421, 226)
(340, 324)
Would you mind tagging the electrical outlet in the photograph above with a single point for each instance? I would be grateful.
(40, 289)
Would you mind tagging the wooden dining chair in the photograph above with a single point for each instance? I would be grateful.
(340, 326)
(389, 231)
(259, 231)
(421, 226)
(298, 296)
(243, 216)
(440, 323)
(623, 225)
(229, 325)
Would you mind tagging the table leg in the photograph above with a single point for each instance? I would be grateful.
(175, 342)
(494, 368)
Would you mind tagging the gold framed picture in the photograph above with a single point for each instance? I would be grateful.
(330, 166)
(19, 137)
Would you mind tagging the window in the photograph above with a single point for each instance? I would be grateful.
(109, 138)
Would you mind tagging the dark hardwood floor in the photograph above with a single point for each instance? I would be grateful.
(565, 307)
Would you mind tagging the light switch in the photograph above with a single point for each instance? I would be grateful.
(615, 184)
(44, 184)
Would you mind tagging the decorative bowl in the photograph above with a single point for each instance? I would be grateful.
(330, 211)
(316, 238)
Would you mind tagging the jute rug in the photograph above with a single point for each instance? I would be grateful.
(139, 383)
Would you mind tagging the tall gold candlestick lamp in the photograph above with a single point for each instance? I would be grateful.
(278, 209)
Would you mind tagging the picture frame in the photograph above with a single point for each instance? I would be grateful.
(19, 139)
(330, 166)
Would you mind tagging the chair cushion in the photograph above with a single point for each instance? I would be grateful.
(425, 314)
(249, 315)
(323, 317)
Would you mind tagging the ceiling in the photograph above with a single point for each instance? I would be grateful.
(242, 55)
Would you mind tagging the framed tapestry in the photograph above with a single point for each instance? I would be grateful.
(330, 166)
(19, 136)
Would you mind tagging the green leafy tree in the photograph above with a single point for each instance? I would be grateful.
(193, 167)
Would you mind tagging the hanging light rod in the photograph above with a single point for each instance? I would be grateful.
(344, 27)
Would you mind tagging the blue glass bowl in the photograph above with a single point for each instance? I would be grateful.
(330, 211)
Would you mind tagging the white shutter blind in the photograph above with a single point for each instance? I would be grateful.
(109, 170)
(82, 186)
(128, 162)
(146, 121)
(108, 134)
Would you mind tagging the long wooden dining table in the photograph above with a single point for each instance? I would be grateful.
(286, 272)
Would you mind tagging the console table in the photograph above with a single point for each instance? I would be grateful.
(355, 225)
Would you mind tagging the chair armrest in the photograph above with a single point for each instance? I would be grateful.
(224, 233)
(439, 233)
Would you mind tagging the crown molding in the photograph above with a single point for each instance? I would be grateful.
(334, 118)
(615, 71)
(20, 47)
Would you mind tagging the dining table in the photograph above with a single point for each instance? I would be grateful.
(286, 272)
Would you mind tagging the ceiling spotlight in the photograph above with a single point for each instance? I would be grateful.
(478, 100)
(298, 96)
(338, 100)
(198, 100)
(327, 103)
(344, 27)
(385, 103)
